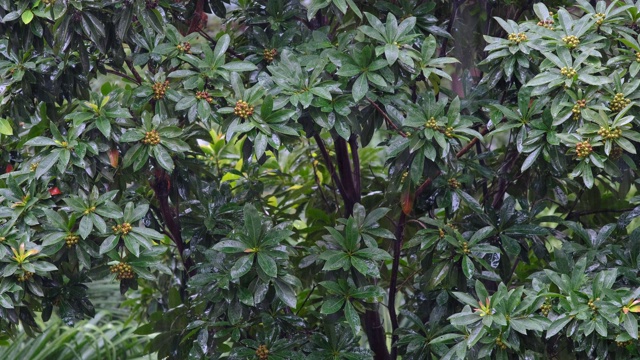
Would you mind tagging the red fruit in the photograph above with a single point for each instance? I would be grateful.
(55, 191)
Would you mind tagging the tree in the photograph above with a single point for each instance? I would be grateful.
(329, 181)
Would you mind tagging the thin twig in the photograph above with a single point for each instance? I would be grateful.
(134, 71)
(122, 75)
(306, 298)
(386, 117)
(592, 212)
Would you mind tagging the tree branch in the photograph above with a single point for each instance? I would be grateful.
(327, 160)
(122, 75)
(353, 145)
(161, 186)
(386, 118)
(578, 214)
(350, 195)
(134, 71)
(393, 284)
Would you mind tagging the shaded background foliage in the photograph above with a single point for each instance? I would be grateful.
(337, 179)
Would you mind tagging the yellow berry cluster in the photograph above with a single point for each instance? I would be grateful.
(572, 41)
(160, 89)
(453, 183)
(638, 56)
(243, 109)
(204, 95)
(185, 47)
(89, 210)
(547, 23)
(448, 131)
(465, 247)
(431, 124)
(584, 149)
(269, 54)
(33, 166)
(441, 233)
(123, 271)
(49, 2)
(577, 108)
(2, 238)
(599, 18)
(615, 153)
(624, 343)
(25, 277)
(123, 228)
(500, 344)
(262, 352)
(151, 138)
(592, 305)
(546, 307)
(568, 72)
(610, 134)
(619, 102)
(71, 239)
(517, 38)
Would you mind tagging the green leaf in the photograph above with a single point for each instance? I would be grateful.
(109, 244)
(285, 293)
(242, 266)
(365, 267)
(221, 46)
(132, 135)
(352, 317)
(337, 261)
(558, 325)
(104, 125)
(268, 265)
(147, 233)
(331, 305)
(163, 157)
(230, 246)
(41, 141)
(131, 243)
(468, 269)
(631, 325)
(360, 88)
(391, 52)
(5, 127)
(47, 163)
(315, 6)
(239, 66)
(86, 225)
(252, 224)
(27, 16)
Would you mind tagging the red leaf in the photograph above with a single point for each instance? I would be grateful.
(114, 156)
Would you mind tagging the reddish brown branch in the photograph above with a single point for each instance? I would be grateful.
(387, 118)
(327, 160)
(161, 186)
(134, 71)
(393, 284)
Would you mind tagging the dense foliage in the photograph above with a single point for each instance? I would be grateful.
(347, 179)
